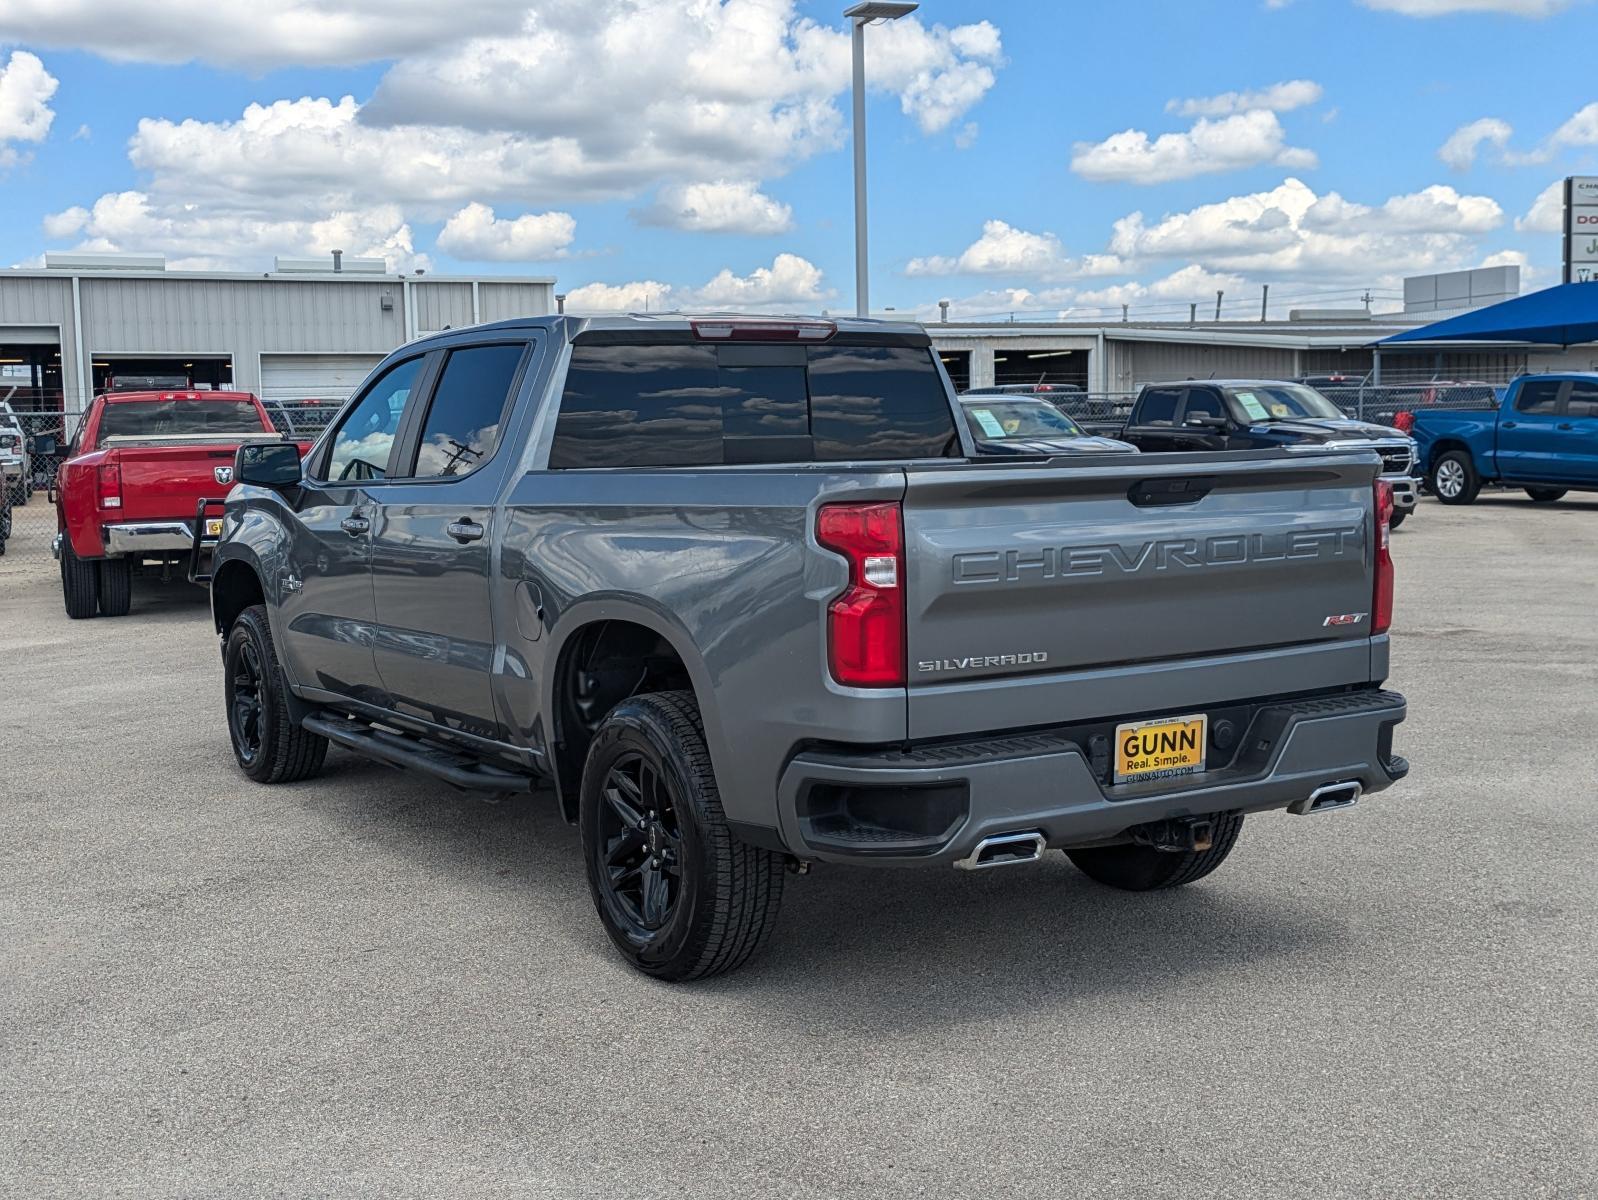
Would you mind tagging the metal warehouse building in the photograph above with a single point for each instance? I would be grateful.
(310, 329)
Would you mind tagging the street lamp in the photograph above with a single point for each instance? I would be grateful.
(861, 15)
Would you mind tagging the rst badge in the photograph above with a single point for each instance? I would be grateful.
(1344, 619)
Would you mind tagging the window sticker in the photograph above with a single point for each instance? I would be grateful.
(1251, 405)
(989, 422)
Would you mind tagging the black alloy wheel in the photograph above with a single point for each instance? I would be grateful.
(640, 847)
(679, 895)
(245, 682)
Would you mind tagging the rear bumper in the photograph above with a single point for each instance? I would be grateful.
(960, 793)
(149, 537)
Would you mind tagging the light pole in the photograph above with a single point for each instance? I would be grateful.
(861, 15)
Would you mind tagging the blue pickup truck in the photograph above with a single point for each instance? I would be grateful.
(1542, 437)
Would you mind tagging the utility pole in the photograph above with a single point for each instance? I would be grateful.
(1265, 302)
(1218, 296)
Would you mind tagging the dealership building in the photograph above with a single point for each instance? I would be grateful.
(311, 329)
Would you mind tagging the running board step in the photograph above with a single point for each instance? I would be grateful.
(458, 770)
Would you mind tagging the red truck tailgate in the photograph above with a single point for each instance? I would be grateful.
(165, 482)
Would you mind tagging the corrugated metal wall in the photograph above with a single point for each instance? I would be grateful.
(1136, 363)
(442, 306)
(502, 301)
(245, 318)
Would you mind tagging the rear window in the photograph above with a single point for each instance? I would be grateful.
(1157, 406)
(160, 418)
(686, 404)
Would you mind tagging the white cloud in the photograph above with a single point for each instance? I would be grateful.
(1462, 146)
(790, 283)
(1190, 283)
(475, 234)
(254, 34)
(1279, 97)
(1293, 232)
(193, 239)
(25, 112)
(724, 206)
(1547, 212)
(1444, 8)
(1005, 250)
(1580, 130)
(645, 295)
(1246, 139)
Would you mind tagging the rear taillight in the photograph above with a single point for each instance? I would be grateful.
(108, 491)
(1404, 421)
(1382, 601)
(865, 625)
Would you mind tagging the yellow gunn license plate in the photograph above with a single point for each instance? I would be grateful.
(213, 527)
(1159, 748)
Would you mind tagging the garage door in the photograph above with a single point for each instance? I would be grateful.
(326, 377)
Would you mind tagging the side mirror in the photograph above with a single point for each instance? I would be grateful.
(43, 446)
(273, 465)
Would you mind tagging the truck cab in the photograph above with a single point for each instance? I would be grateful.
(1215, 415)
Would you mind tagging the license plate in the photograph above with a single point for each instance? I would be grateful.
(213, 527)
(1160, 748)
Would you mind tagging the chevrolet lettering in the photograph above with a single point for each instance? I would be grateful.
(1065, 562)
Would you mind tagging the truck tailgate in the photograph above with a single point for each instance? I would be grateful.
(164, 482)
(1046, 594)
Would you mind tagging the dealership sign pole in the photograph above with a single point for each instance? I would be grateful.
(1581, 229)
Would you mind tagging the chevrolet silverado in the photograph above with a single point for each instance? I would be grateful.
(742, 592)
(1542, 436)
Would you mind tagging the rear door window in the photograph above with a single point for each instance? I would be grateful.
(462, 428)
(1539, 396)
(685, 404)
(1157, 406)
(1582, 400)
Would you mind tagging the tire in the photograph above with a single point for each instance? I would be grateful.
(1546, 495)
(1396, 519)
(1145, 869)
(80, 583)
(1453, 478)
(116, 586)
(269, 744)
(649, 804)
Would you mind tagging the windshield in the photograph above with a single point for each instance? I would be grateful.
(1282, 402)
(159, 418)
(995, 420)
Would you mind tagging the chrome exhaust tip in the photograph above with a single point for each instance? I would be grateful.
(1327, 798)
(1005, 850)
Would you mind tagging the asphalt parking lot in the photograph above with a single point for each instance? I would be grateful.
(369, 984)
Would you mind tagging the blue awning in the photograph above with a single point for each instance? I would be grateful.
(1559, 316)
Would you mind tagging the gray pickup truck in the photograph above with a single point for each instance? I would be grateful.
(742, 592)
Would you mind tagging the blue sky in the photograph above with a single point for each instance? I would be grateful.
(688, 152)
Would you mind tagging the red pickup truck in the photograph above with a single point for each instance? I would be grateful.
(134, 475)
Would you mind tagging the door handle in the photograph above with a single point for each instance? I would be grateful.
(1566, 425)
(464, 531)
(1507, 425)
(354, 526)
